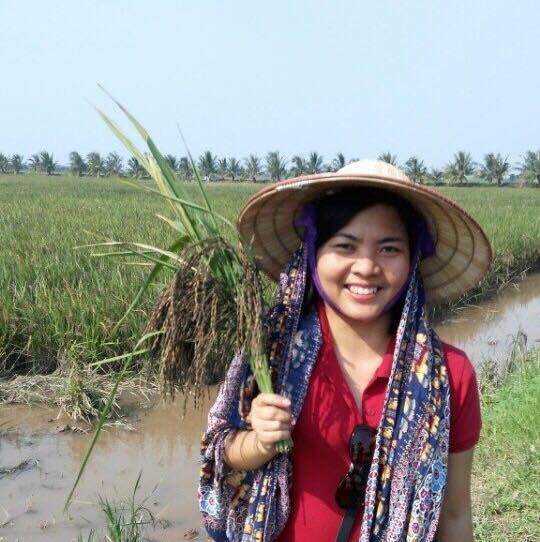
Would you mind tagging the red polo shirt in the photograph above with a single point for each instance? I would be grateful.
(321, 436)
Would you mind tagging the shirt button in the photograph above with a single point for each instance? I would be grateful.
(370, 412)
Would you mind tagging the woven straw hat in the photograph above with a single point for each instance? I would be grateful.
(462, 251)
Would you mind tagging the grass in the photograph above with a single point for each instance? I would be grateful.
(126, 519)
(506, 472)
(58, 298)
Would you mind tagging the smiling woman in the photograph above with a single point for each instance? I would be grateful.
(383, 415)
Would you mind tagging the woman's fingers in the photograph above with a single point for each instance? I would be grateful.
(270, 418)
(271, 399)
(272, 413)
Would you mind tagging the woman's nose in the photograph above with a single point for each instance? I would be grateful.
(365, 266)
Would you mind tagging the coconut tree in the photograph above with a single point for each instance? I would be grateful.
(276, 165)
(415, 169)
(47, 162)
(113, 164)
(461, 168)
(34, 161)
(184, 168)
(172, 161)
(530, 168)
(234, 169)
(389, 158)
(253, 167)
(494, 168)
(4, 163)
(17, 163)
(315, 163)
(338, 162)
(222, 166)
(208, 164)
(134, 168)
(95, 164)
(77, 165)
(436, 175)
(299, 165)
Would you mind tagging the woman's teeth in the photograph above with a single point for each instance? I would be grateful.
(363, 291)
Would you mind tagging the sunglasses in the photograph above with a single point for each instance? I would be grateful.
(351, 490)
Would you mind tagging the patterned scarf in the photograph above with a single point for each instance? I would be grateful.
(408, 473)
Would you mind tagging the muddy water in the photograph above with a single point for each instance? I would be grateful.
(163, 445)
(487, 331)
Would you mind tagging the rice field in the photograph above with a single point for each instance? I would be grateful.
(59, 303)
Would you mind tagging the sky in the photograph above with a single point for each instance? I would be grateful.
(423, 78)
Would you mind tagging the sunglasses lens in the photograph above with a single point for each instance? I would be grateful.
(352, 489)
(361, 445)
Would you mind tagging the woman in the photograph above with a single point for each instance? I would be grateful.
(383, 416)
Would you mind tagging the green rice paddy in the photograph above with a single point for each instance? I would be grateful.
(59, 302)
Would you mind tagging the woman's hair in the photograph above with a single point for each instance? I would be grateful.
(335, 211)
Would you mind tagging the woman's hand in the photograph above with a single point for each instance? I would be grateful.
(271, 420)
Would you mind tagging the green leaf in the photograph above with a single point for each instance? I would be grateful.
(176, 246)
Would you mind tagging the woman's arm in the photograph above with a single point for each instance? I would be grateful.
(270, 420)
(455, 524)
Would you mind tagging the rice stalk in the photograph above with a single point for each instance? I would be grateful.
(213, 306)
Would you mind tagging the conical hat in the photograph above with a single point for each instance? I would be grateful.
(462, 251)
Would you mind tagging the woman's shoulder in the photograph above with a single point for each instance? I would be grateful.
(460, 367)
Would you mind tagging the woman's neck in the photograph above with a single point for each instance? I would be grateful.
(359, 340)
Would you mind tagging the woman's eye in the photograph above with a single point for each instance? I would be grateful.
(344, 246)
(389, 249)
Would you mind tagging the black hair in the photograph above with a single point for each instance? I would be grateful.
(334, 211)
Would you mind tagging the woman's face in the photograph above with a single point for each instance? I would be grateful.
(366, 263)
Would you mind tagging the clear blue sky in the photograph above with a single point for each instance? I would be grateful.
(422, 78)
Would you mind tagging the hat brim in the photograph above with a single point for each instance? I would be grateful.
(462, 251)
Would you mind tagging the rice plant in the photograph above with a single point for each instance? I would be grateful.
(126, 520)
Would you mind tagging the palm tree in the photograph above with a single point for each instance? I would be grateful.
(315, 163)
(222, 166)
(207, 163)
(299, 165)
(436, 175)
(234, 169)
(47, 162)
(4, 163)
(34, 161)
(77, 164)
(113, 164)
(172, 161)
(134, 169)
(462, 166)
(17, 163)
(95, 164)
(338, 162)
(530, 168)
(389, 158)
(253, 167)
(276, 165)
(415, 169)
(494, 168)
(185, 169)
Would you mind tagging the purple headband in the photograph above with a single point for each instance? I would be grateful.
(424, 247)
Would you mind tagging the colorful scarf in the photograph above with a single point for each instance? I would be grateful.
(408, 473)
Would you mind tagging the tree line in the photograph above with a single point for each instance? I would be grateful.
(494, 168)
